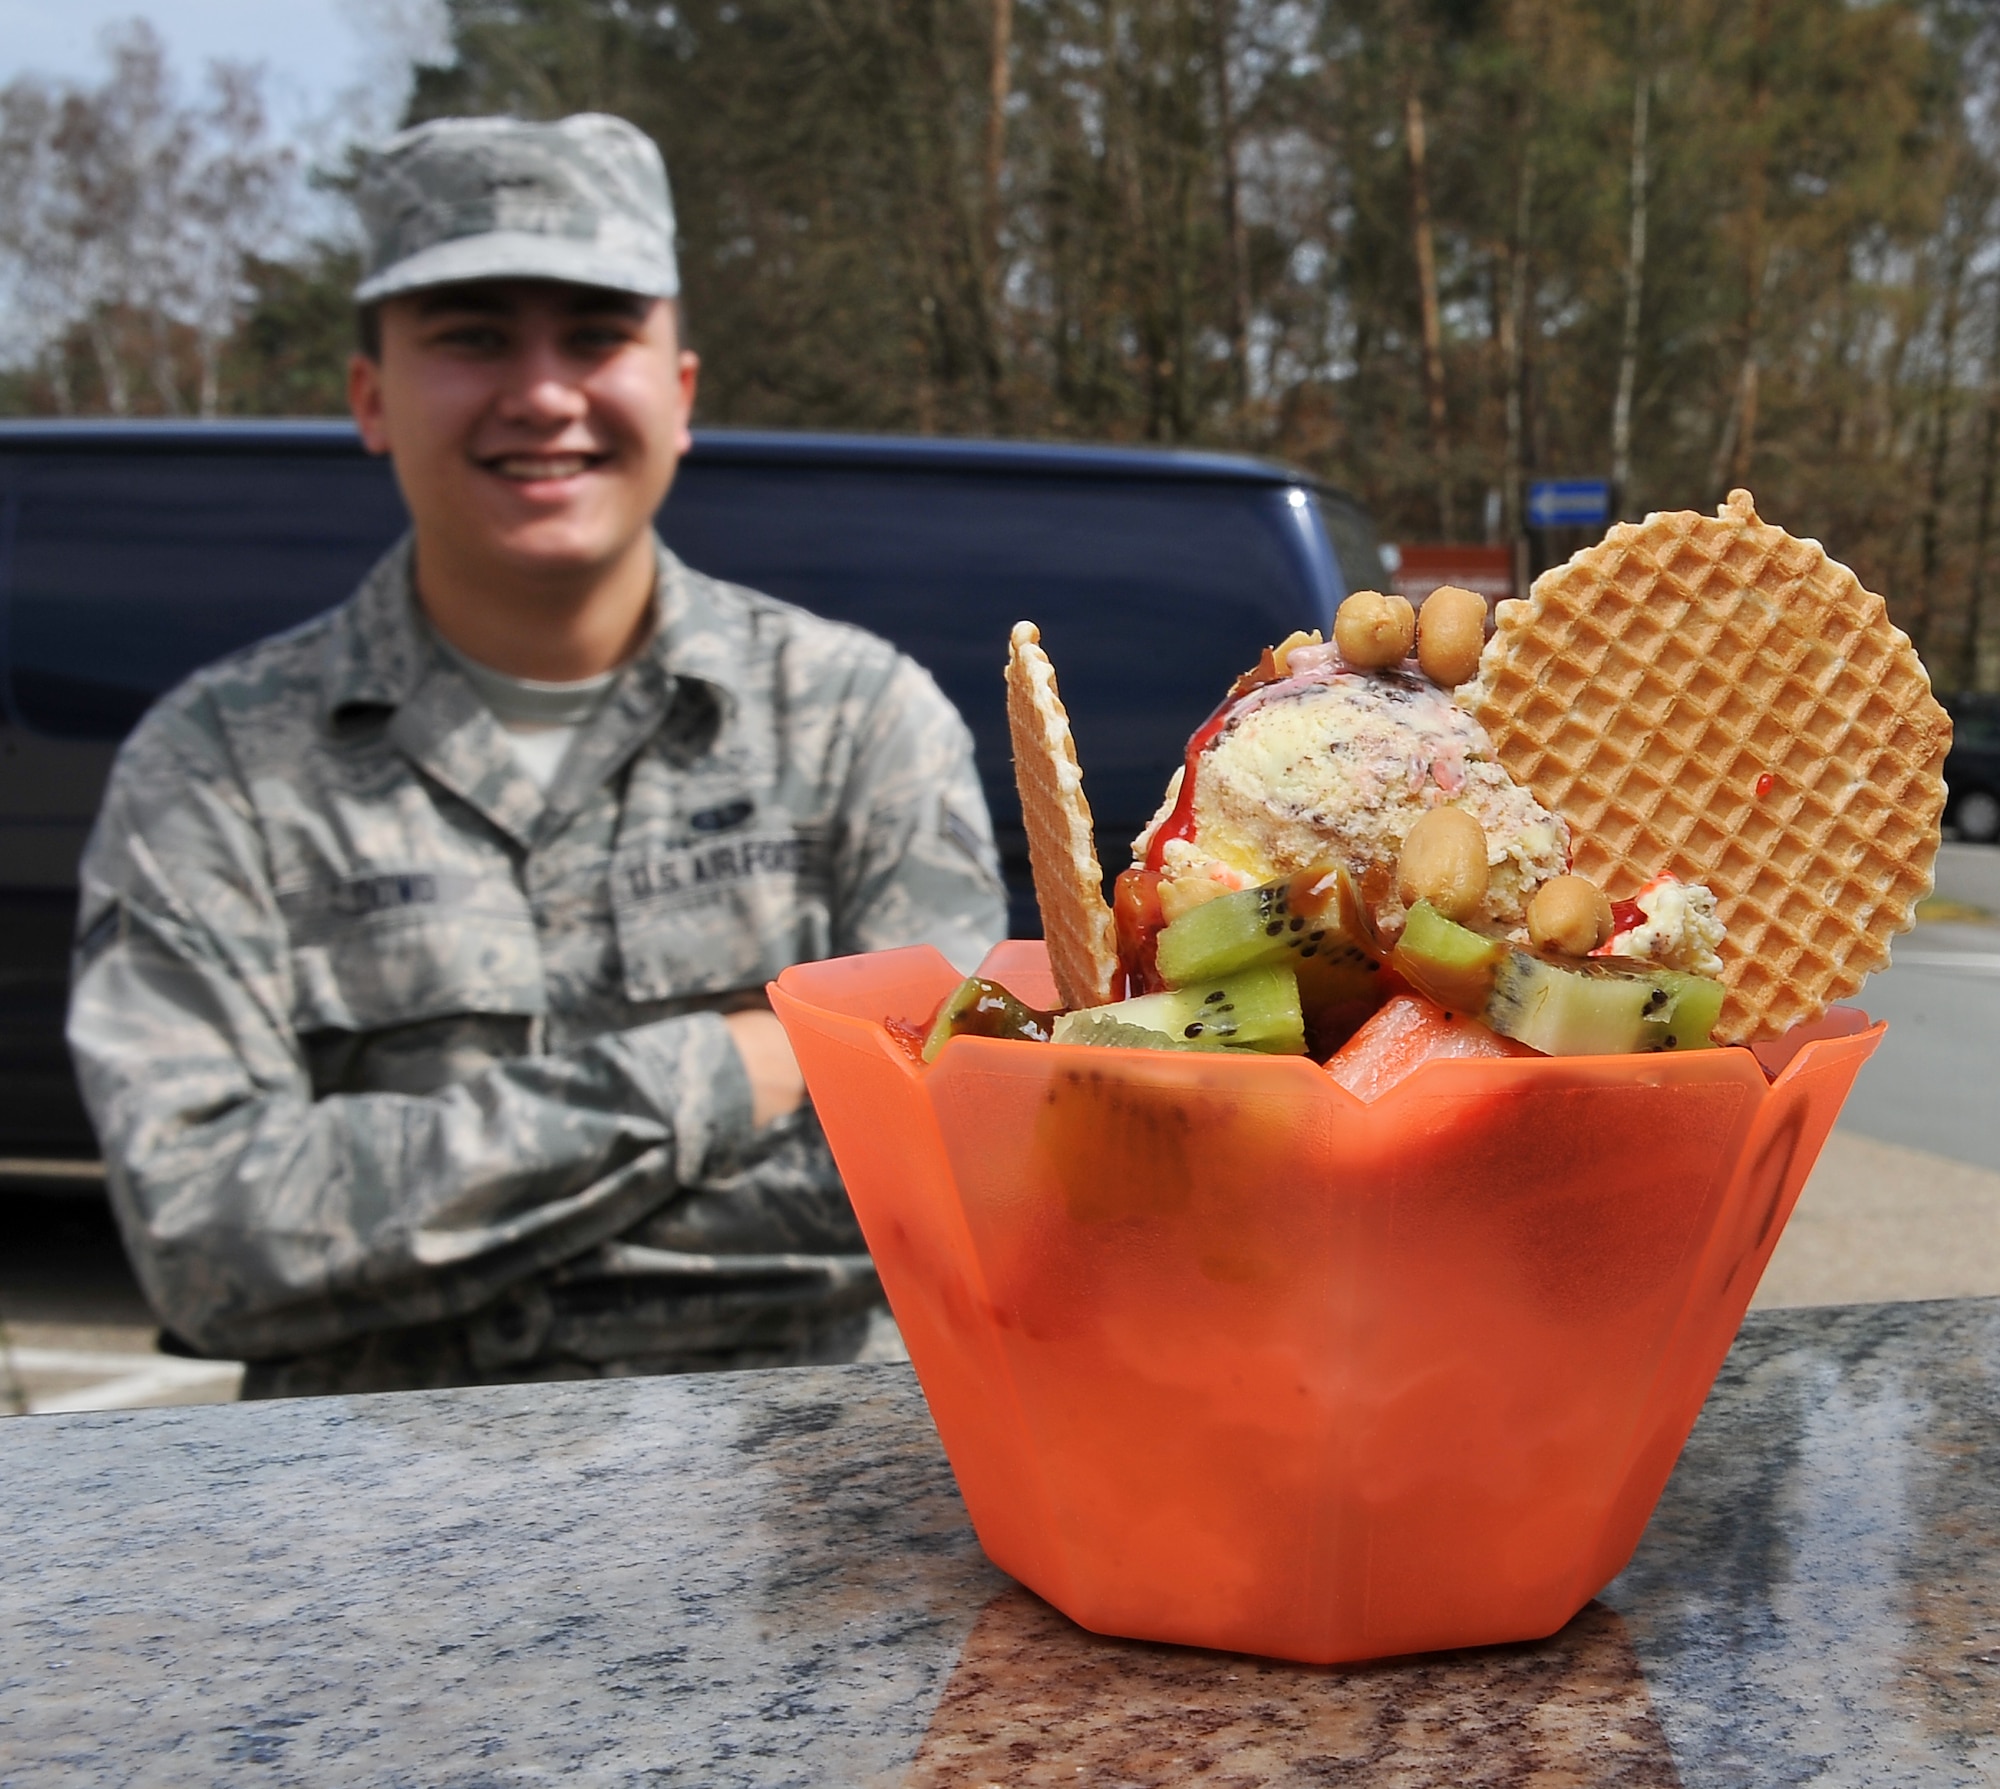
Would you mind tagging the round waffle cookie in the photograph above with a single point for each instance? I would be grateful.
(1712, 697)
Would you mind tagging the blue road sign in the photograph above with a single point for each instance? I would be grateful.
(1568, 502)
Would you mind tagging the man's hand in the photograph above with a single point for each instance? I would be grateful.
(776, 1086)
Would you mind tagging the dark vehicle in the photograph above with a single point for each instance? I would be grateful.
(132, 553)
(1972, 770)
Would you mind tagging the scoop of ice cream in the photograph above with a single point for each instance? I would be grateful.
(1339, 766)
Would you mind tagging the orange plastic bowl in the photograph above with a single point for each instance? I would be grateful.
(1221, 1355)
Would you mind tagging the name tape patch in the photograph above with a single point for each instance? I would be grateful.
(384, 894)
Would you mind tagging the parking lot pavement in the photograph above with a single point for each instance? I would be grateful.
(75, 1332)
(1878, 1222)
(1905, 1201)
(1970, 873)
(1930, 1085)
(51, 1367)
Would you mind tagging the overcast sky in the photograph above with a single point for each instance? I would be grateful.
(332, 67)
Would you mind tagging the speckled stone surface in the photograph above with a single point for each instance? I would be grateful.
(768, 1579)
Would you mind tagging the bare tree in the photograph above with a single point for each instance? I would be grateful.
(127, 219)
(1635, 266)
(1736, 445)
(39, 253)
(1227, 153)
(1416, 140)
(234, 189)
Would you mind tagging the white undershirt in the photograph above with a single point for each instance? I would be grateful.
(541, 720)
(540, 751)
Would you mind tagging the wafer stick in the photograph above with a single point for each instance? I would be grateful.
(1069, 882)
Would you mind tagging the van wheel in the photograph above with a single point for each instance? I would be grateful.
(1979, 817)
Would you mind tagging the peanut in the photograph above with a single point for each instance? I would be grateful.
(1444, 863)
(1451, 632)
(1373, 630)
(1569, 914)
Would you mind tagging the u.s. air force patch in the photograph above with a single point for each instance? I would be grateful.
(704, 914)
(696, 868)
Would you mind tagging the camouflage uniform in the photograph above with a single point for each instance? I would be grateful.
(407, 1074)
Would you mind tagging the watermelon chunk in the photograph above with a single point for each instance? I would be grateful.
(1408, 1031)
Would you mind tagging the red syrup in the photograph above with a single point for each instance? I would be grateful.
(1136, 895)
(1135, 899)
(1180, 823)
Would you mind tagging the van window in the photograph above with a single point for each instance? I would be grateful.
(131, 570)
(1352, 531)
(1150, 595)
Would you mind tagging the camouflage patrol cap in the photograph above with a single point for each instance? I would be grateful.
(583, 200)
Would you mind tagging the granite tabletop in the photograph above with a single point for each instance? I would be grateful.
(768, 1579)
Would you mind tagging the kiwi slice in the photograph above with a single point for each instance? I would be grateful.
(1093, 1025)
(1451, 963)
(1562, 1006)
(981, 1008)
(1256, 1010)
(1313, 923)
(1600, 1006)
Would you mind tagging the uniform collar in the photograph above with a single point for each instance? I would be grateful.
(699, 636)
(379, 651)
(376, 651)
(686, 681)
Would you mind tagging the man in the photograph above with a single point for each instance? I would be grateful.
(418, 995)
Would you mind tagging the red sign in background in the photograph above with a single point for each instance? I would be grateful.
(1488, 570)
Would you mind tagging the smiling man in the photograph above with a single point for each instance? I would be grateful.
(419, 979)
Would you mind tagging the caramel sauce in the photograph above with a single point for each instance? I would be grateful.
(1135, 910)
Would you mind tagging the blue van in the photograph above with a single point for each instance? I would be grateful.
(132, 553)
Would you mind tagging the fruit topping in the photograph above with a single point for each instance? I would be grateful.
(1257, 1009)
(1097, 1026)
(981, 1008)
(1312, 922)
(1407, 1032)
(1588, 1007)
(1453, 964)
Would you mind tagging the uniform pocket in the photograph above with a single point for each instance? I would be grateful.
(707, 915)
(403, 947)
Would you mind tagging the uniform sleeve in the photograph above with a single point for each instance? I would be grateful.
(264, 1222)
(915, 861)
